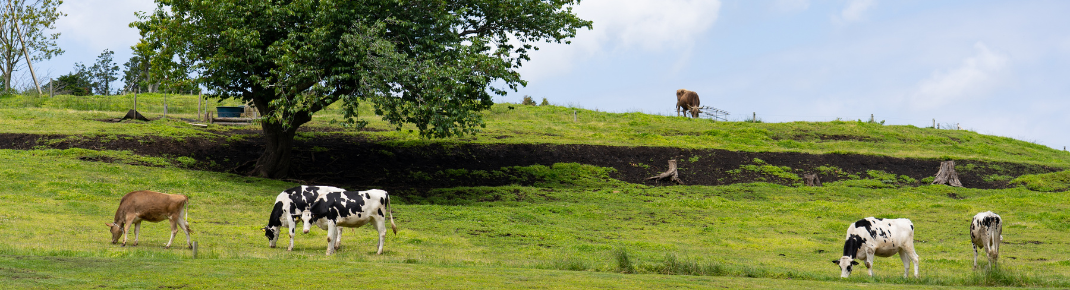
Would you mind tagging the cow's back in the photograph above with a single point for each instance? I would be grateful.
(885, 236)
(149, 205)
(985, 227)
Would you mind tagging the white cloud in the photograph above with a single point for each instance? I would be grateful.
(647, 25)
(789, 6)
(856, 9)
(101, 24)
(977, 75)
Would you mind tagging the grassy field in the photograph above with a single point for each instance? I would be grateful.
(577, 229)
(53, 210)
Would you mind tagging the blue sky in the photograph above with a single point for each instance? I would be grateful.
(995, 67)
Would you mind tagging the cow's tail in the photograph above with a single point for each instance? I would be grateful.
(185, 215)
(391, 213)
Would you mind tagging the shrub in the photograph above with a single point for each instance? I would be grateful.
(1048, 182)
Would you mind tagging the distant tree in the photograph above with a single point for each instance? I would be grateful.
(430, 63)
(135, 74)
(104, 72)
(78, 83)
(32, 18)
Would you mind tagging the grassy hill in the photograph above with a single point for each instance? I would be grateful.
(572, 227)
(518, 124)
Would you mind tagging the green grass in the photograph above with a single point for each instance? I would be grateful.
(74, 115)
(574, 228)
(570, 234)
(1050, 182)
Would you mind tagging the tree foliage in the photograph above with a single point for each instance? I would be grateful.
(430, 63)
(79, 82)
(104, 72)
(34, 19)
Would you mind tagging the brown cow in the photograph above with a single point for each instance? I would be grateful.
(144, 205)
(687, 100)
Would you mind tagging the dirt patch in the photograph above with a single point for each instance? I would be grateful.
(355, 161)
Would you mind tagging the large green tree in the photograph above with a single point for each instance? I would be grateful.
(431, 63)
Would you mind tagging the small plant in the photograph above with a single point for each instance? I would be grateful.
(544, 102)
(996, 178)
(624, 263)
(693, 159)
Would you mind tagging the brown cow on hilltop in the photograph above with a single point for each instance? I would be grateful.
(687, 100)
(144, 205)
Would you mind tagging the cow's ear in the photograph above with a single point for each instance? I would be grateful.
(837, 262)
(109, 224)
(854, 263)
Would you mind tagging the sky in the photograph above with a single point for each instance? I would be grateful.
(994, 67)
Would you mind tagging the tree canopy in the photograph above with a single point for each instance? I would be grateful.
(431, 63)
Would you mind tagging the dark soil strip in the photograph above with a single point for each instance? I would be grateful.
(360, 163)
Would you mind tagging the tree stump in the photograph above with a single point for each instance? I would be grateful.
(947, 175)
(811, 179)
(671, 173)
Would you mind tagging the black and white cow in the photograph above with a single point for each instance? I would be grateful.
(352, 209)
(290, 205)
(986, 232)
(873, 237)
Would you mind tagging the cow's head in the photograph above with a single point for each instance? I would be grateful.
(845, 264)
(116, 232)
(272, 234)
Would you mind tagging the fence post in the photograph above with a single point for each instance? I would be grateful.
(754, 117)
(198, 106)
(135, 99)
(165, 105)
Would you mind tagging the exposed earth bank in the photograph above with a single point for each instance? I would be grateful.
(360, 163)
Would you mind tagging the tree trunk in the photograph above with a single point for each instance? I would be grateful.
(812, 179)
(274, 162)
(947, 174)
(671, 173)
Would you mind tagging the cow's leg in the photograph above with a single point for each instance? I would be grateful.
(993, 255)
(185, 226)
(905, 256)
(293, 228)
(174, 230)
(380, 225)
(974, 256)
(126, 231)
(338, 239)
(869, 263)
(914, 258)
(137, 231)
(332, 233)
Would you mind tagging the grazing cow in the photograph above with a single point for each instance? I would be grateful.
(352, 209)
(688, 101)
(144, 205)
(871, 237)
(986, 231)
(291, 204)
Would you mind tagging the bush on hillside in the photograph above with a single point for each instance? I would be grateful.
(1048, 182)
